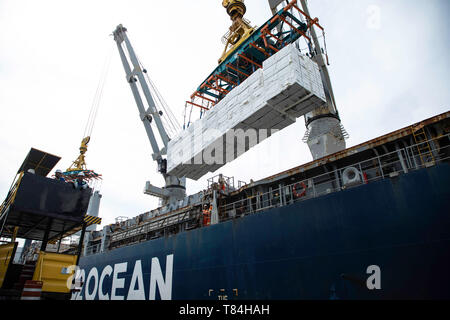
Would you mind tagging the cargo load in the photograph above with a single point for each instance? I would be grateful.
(287, 87)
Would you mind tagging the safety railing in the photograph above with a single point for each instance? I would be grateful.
(11, 195)
(400, 161)
(241, 184)
(9, 200)
(218, 179)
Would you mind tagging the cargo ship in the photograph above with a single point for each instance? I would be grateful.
(365, 222)
(382, 203)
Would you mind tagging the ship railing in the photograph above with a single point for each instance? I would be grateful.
(217, 179)
(10, 197)
(152, 229)
(370, 170)
(391, 164)
(241, 184)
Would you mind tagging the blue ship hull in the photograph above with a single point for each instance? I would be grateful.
(314, 249)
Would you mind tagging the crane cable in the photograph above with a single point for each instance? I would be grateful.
(97, 97)
(171, 123)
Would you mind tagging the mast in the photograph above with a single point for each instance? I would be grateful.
(174, 188)
(325, 134)
(318, 57)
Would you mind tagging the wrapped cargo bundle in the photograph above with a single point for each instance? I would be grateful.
(287, 87)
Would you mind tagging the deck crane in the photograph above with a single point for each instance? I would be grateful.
(324, 132)
(175, 188)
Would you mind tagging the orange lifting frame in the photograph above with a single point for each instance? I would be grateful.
(313, 21)
(264, 32)
(249, 60)
(218, 86)
(227, 80)
(197, 105)
(197, 94)
(237, 70)
(218, 89)
(298, 31)
(259, 49)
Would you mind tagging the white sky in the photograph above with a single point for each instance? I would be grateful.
(388, 71)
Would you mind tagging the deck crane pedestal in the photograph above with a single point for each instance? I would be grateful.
(175, 188)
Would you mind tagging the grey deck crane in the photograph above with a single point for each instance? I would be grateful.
(175, 188)
(325, 134)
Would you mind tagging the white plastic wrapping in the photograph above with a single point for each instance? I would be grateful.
(287, 87)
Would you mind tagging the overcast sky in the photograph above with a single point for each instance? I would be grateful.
(389, 67)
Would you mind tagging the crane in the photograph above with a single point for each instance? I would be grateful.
(80, 164)
(175, 188)
(324, 132)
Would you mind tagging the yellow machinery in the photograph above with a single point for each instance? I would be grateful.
(7, 252)
(54, 269)
(79, 164)
(239, 31)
